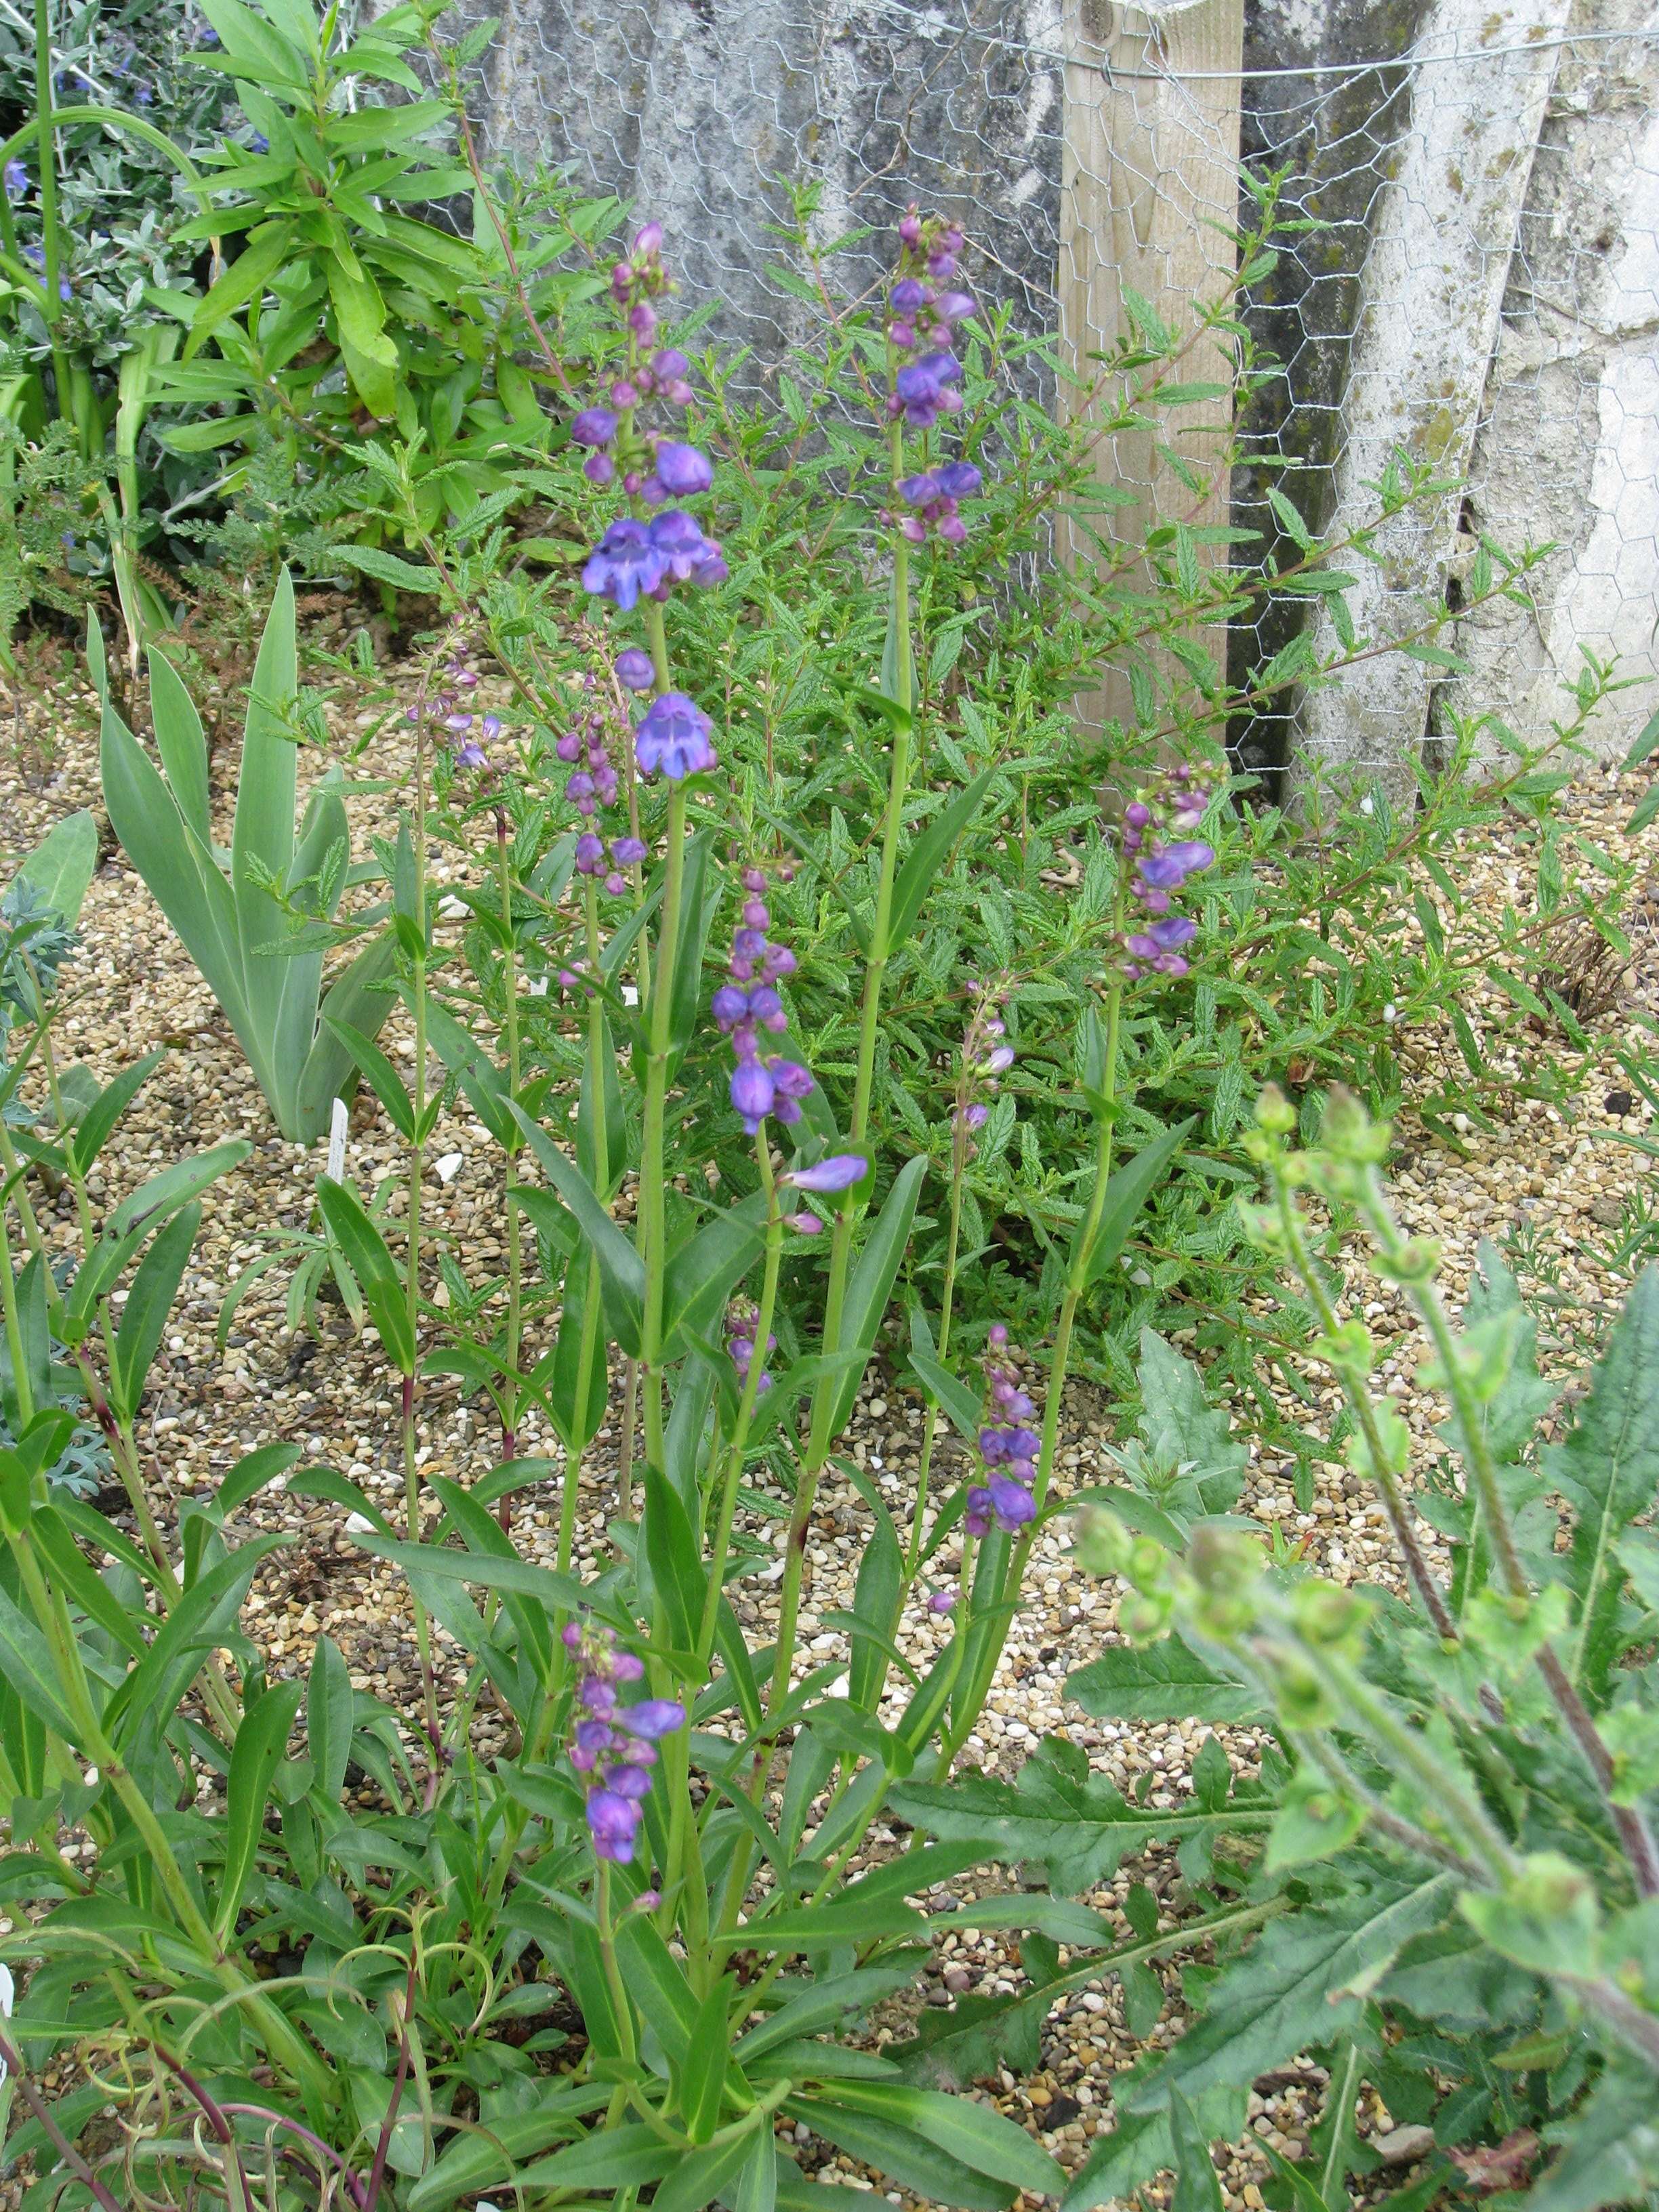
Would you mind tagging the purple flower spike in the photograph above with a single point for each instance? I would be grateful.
(654, 1718)
(674, 736)
(612, 1821)
(634, 670)
(683, 471)
(839, 1172)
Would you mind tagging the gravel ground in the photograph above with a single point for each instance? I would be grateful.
(1548, 1175)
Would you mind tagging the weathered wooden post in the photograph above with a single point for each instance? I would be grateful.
(1150, 168)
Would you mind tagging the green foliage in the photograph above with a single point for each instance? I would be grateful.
(1459, 1851)
(233, 911)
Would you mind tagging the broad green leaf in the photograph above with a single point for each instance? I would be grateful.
(699, 2179)
(1607, 1470)
(197, 1624)
(1293, 1987)
(1060, 1815)
(953, 1397)
(1161, 1681)
(26, 1663)
(1142, 2144)
(899, 2152)
(1197, 2188)
(91, 1131)
(702, 2072)
(979, 2136)
(485, 2159)
(701, 1274)
(355, 1005)
(613, 2158)
(878, 1593)
(60, 868)
(259, 1744)
(1612, 2152)
(676, 1578)
(252, 1472)
(1190, 1463)
(182, 742)
(329, 1710)
(847, 1918)
(176, 1185)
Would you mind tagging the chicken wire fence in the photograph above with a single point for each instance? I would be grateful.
(1493, 159)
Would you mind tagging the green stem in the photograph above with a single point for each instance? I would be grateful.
(747, 1405)
(819, 1439)
(952, 1242)
(50, 242)
(20, 1370)
(412, 1253)
(652, 1186)
(512, 1394)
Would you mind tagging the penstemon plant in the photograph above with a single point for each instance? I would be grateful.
(671, 1835)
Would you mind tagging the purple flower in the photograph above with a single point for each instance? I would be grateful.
(612, 1821)
(926, 386)
(919, 491)
(680, 545)
(908, 295)
(1169, 936)
(728, 1006)
(682, 470)
(793, 1080)
(630, 1781)
(670, 365)
(977, 1518)
(960, 480)
(674, 736)
(628, 851)
(634, 670)
(654, 1718)
(624, 564)
(837, 1173)
(17, 180)
(956, 308)
(752, 1093)
(590, 853)
(1168, 867)
(1012, 1503)
(594, 426)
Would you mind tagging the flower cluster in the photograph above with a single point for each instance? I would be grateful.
(634, 559)
(1162, 863)
(986, 1056)
(747, 1004)
(1009, 1449)
(458, 678)
(934, 498)
(742, 1328)
(674, 735)
(613, 1743)
(923, 310)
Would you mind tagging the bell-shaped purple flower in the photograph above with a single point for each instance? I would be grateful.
(654, 1718)
(634, 670)
(674, 736)
(1012, 1504)
(753, 1092)
(682, 470)
(678, 545)
(613, 1822)
(625, 563)
(594, 426)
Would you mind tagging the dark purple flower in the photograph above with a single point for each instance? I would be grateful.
(612, 1821)
(589, 855)
(960, 480)
(956, 308)
(752, 1093)
(628, 851)
(624, 564)
(634, 670)
(926, 386)
(1169, 866)
(1171, 935)
(1012, 1503)
(669, 365)
(674, 736)
(682, 470)
(728, 1006)
(594, 426)
(977, 1518)
(908, 295)
(919, 491)
(630, 1781)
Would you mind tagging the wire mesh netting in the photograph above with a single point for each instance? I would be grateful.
(1483, 287)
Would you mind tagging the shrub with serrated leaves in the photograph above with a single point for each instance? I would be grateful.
(1442, 1883)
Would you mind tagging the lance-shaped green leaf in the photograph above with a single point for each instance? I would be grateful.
(60, 868)
(258, 1745)
(928, 855)
(872, 1287)
(197, 1624)
(902, 2153)
(701, 1273)
(329, 1710)
(621, 1269)
(150, 1301)
(1161, 1681)
(1126, 1192)
(953, 1397)
(370, 1260)
(91, 1131)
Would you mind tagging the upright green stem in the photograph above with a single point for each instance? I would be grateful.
(50, 244)
(515, 1240)
(747, 1405)
(19, 1369)
(412, 1268)
(819, 1438)
(947, 1300)
(652, 1186)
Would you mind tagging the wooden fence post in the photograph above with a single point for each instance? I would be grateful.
(1150, 165)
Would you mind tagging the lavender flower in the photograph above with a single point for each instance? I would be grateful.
(924, 390)
(634, 670)
(683, 471)
(1160, 868)
(742, 1328)
(1009, 1449)
(615, 1743)
(673, 735)
(624, 564)
(839, 1172)
(17, 179)
(985, 1058)
(594, 426)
